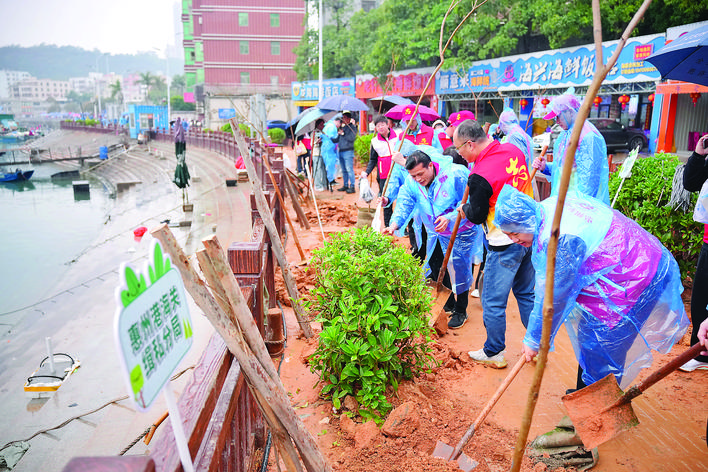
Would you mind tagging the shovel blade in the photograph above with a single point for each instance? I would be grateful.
(438, 317)
(596, 413)
(444, 451)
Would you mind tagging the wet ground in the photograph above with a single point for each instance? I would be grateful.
(79, 317)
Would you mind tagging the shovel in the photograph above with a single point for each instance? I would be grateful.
(445, 451)
(602, 410)
(438, 320)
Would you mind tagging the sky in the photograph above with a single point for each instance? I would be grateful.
(111, 26)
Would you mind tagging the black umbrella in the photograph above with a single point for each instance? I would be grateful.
(181, 178)
(684, 58)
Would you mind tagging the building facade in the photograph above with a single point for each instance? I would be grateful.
(8, 78)
(41, 89)
(240, 46)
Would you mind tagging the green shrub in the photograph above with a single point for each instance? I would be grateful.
(371, 299)
(644, 198)
(362, 147)
(276, 135)
(226, 127)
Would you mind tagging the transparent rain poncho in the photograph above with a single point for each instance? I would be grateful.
(591, 171)
(617, 289)
(329, 150)
(441, 198)
(515, 134)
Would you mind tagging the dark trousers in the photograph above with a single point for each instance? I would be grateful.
(699, 297)
(180, 147)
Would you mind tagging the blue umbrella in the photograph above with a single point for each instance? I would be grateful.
(306, 123)
(342, 103)
(685, 58)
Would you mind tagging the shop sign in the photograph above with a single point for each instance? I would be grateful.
(560, 68)
(227, 113)
(310, 90)
(410, 84)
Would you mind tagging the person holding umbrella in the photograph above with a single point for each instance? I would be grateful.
(347, 136)
(418, 133)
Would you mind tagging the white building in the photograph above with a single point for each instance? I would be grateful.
(39, 90)
(8, 78)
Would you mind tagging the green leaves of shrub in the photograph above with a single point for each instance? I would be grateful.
(644, 197)
(371, 299)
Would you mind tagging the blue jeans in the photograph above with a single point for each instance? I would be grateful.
(346, 161)
(504, 271)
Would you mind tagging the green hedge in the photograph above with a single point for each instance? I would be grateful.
(644, 197)
(276, 135)
(362, 147)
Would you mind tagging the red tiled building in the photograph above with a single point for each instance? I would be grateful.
(245, 46)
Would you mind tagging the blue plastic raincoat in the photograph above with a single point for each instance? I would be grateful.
(329, 149)
(441, 198)
(617, 289)
(515, 134)
(591, 171)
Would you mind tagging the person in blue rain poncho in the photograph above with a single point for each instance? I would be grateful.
(435, 190)
(591, 172)
(330, 156)
(515, 134)
(617, 289)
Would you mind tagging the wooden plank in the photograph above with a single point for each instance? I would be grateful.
(263, 208)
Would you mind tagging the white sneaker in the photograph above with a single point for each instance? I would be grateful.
(475, 293)
(693, 364)
(497, 361)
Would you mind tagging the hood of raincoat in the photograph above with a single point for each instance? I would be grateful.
(516, 212)
(507, 120)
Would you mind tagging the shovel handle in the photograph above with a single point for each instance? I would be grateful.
(443, 267)
(488, 407)
(659, 374)
(543, 153)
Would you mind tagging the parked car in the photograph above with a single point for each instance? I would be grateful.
(547, 138)
(276, 124)
(618, 136)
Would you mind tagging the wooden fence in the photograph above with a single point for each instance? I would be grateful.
(223, 424)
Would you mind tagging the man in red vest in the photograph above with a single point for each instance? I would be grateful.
(508, 265)
(418, 133)
(383, 145)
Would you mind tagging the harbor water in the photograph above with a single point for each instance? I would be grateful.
(46, 226)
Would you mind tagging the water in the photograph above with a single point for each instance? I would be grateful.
(45, 227)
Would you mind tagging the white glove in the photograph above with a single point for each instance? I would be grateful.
(364, 175)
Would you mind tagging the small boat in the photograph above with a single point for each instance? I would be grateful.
(16, 176)
(44, 381)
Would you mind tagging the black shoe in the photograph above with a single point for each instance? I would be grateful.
(342, 189)
(350, 190)
(457, 320)
(449, 305)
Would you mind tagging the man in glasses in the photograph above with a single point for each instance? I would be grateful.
(507, 265)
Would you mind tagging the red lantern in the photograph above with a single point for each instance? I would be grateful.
(523, 102)
(694, 97)
(545, 102)
(651, 98)
(597, 101)
(623, 100)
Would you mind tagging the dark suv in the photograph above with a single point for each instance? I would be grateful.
(617, 136)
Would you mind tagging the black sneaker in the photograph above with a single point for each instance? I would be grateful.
(457, 320)
(449, 305)
(350, 190)
(342, 189)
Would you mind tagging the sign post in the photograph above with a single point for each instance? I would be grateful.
(153, 333)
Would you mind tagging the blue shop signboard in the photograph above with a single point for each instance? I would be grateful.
(559, 68)
(310, 90)
(227, 113)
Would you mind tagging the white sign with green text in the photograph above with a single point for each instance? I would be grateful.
(153, 329)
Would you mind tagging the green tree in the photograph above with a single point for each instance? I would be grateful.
(116, 91)
(178, 85)
(82, 101)
(146, 79)
(177, 104)
(54, 106)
